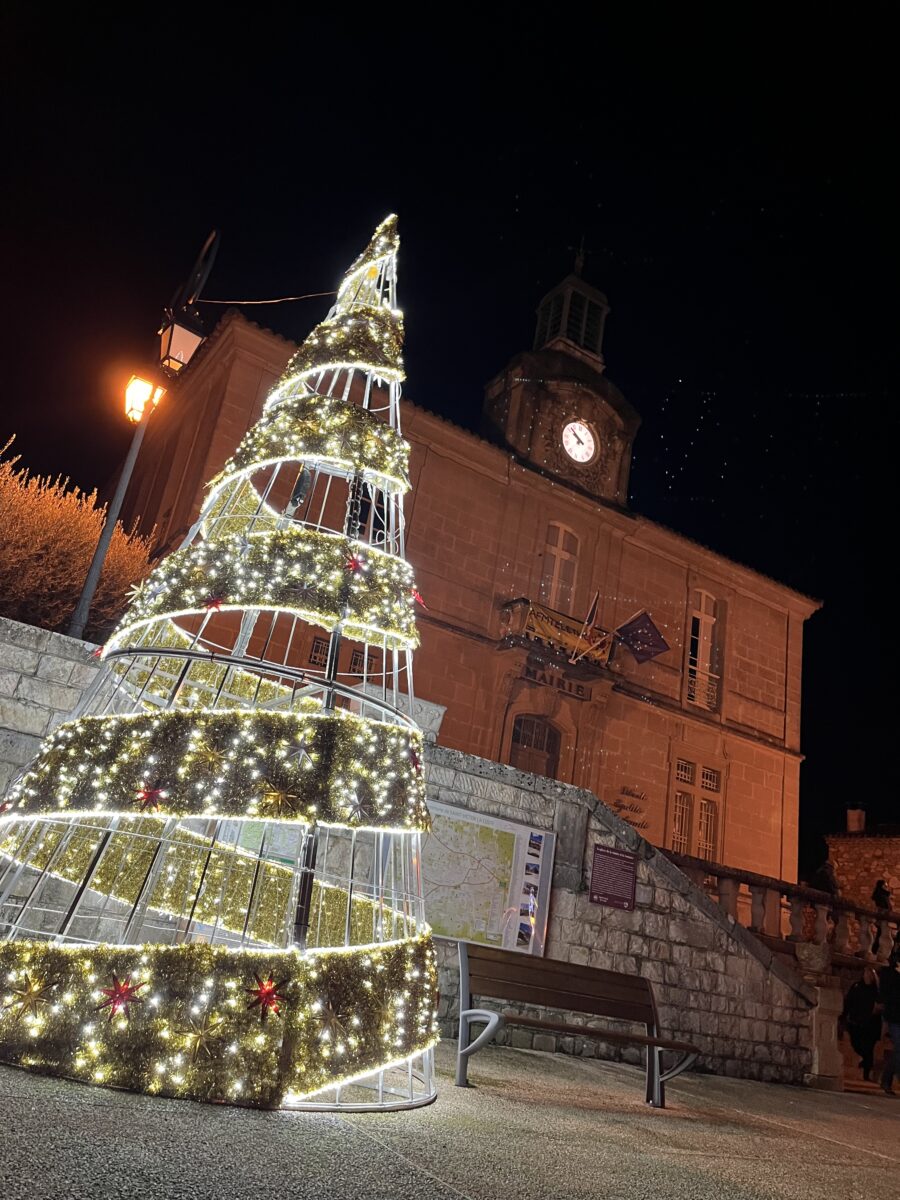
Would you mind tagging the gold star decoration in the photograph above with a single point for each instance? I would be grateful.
(200, 1037)
(332, 1022)
(29, 997)
(210, 756)
(276, 801)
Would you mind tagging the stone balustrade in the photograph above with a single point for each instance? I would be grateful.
(794, 915)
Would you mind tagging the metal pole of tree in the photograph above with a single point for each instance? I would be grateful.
(80, 615)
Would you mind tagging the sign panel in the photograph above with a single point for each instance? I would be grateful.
(487, 880)
(613, 878)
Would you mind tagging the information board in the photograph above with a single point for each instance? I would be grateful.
(487, 880)
(613, 878)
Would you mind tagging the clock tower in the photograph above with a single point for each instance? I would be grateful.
(554, 407)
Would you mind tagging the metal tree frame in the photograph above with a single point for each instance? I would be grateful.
(131, 878)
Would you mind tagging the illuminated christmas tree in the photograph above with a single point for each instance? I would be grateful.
(209, 882)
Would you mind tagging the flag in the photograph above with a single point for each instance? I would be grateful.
(592, 612)
(642, 637)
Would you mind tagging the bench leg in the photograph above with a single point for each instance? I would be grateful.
(465, 1049)
(656, 1092)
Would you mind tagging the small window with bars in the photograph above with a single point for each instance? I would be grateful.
(685, 772)
(357, 659)
(318, 654)
(681, 822)
(711, 779)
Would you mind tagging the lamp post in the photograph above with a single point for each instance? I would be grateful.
(180, 336)
(141, 398)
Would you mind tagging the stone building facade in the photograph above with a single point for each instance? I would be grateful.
(512, 533)
(860, 859)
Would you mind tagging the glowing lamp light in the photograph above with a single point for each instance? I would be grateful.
(138, 394)
(179, 338)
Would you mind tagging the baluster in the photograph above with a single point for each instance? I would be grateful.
(728, 894)
(864, 939)
(820, 932)
(757, 907)
(885, 940)
(798, 907)
(842, 932)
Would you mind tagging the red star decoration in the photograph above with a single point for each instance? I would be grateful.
(354, 564)
(148, 799)
(5, 807)
(97, 652)
(213, 603)
(417, 597)
(267, 996)
(415, 760)
(120, 996)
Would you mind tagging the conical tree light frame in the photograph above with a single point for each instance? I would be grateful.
(210, 876)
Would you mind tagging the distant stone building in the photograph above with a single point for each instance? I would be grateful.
(861, 858)
(512, 534)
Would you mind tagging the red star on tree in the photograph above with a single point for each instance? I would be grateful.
(213, 603)
(120, 996)
(148, 799)
(97, 652)
(417, 597)
(266, 996)
(354, 564)
(415, 760)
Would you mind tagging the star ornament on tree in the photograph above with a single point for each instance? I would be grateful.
(148, 799)
(120, 996)
(213, 603)
(417, 598)
(278, 801)
(415, 760)
(200, 1037)
(354, 564)
(266, 996)
(29, 996)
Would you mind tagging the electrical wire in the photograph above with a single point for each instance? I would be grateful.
(280, 300)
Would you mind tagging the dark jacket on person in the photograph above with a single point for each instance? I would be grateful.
(881, 896)
(889, 994)
(859, 1003)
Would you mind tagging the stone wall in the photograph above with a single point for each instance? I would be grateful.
(717, 986)
(42, 676)
(860, 859)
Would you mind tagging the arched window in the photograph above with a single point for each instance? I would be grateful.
(535, 746)
(560, 568)
(702, 682)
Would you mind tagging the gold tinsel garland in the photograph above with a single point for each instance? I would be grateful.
(331, 767)
(322, 577)
(210, 1023)
(328, 430)
(367, 337)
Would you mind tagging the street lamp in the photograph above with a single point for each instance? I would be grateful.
(181, 336)
(138, 394)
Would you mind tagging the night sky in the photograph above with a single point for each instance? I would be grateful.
(730, 182)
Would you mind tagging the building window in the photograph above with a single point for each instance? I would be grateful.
(708, 833)
(681, 822)
(372, 516)
(684, 770)
(560, 568)
(318, 654)
(702, 682)
(695, 814)
(356, 663)
(549, 319)
(535, 746)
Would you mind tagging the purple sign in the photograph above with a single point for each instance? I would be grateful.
(613, 877)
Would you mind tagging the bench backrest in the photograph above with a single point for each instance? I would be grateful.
(505, 975)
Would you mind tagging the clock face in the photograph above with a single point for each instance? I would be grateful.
(579, 441)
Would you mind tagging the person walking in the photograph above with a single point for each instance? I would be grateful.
(889, 996)
(862, 1022)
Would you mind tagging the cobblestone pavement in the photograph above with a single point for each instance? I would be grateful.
(533, 1126)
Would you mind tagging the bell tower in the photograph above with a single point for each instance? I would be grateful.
(553, 405)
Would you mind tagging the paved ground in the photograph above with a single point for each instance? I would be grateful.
(535, 1126)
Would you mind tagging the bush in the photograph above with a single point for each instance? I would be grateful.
(48, 532)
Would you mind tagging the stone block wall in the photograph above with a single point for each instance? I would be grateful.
(42, 676)
(717, 986)
(860, 859)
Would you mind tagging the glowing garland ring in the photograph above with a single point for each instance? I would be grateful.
(344, 1013)
(331, 767)
(324, 430)
(294, 570)
(363, 338)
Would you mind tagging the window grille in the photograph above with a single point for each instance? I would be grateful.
(711, 779)
(707, 841)
(318, 654)
(685, 771)
(681, 822)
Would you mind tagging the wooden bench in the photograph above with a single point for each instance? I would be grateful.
(505, 975)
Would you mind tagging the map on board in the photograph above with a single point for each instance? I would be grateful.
(487, 880)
